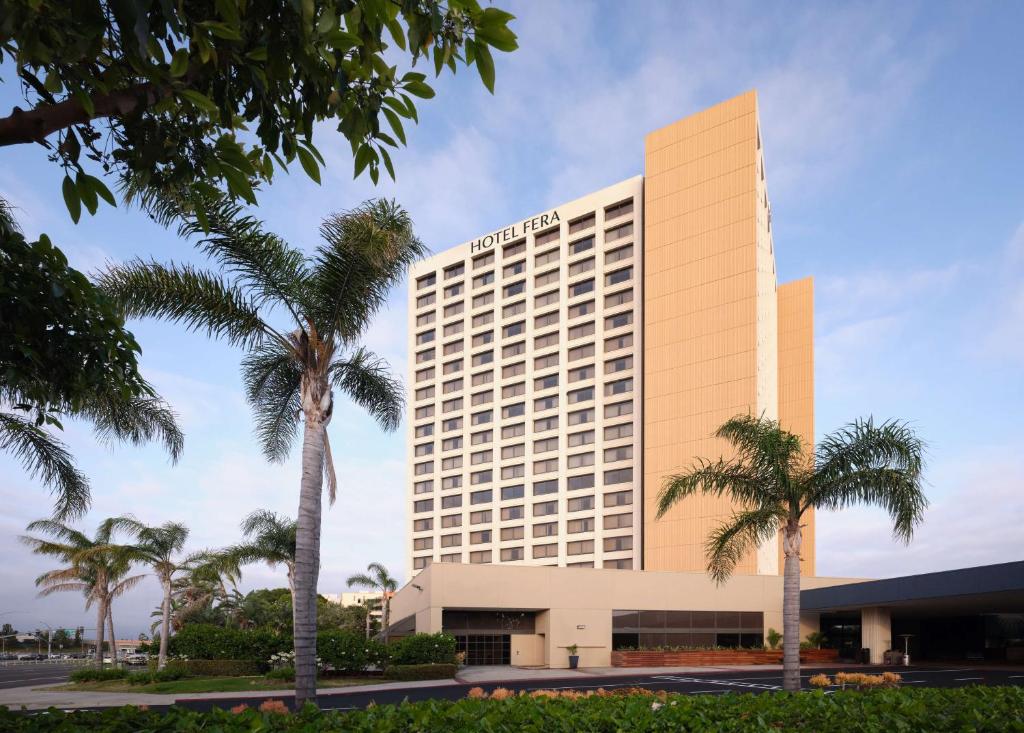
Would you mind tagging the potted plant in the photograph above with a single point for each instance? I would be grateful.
(774, 638)
(574, 658)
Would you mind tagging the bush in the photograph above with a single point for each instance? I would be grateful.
(98, 675)
(167, 674)
(423, 649)
(216, 667)
(346, 651)
(937, 710)
(204, 641)
(420, 671)
(281, 673)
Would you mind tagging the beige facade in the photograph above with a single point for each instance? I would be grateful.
(578, 606)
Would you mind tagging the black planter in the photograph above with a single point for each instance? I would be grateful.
(574, 661)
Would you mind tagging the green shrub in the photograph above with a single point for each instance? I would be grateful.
(283, 673)
(423, 649)
(420, 671)
(204, 641)
(98, 675)
(215, 667)
(349, 652)
(167, 674)
(937, 710)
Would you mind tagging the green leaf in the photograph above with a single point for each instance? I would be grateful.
(419, 88)
(395, 122)
(395, 28)
(387, 162)
(485, 64)
(71, 199)
(222, 30)
(85, 192)
(198, 100)
(238, 183)
(101, 188)
(309, 164)
(53, 83)
(179, 63)
(397, 105)
(363, 157)
(257, 54)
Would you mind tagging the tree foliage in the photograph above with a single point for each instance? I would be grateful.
(179, 95)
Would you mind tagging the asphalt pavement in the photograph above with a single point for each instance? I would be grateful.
(24, 674)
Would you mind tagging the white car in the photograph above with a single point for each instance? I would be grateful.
(136, 659)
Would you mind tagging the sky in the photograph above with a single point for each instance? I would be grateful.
(894, 158)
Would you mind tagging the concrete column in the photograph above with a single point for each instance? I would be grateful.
(876, 632)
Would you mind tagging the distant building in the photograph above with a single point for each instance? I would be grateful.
(359, 598)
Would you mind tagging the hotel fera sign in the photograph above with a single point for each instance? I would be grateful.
(517, 230)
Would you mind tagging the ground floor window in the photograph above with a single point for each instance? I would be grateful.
(486, 648)
(686, 629)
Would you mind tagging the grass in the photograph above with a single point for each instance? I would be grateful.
(206, 684)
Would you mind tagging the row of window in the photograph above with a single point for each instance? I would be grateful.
(518, 328)
(516, 491)
(546, 529)
(540, 425)
(485, 557)
(549, 529)
(508, 432)
(541, 320)
(540, 509)
(578, 396)
(572, 547)
(540, 384)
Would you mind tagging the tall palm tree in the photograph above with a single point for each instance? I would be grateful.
(159, 548)
(299, 318)
(774, 482)
(96, 567)
(377, 578)
(270, 538)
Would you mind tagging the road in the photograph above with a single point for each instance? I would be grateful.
(703, 683)
(24, 674)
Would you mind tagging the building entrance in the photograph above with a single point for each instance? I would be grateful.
(487, 649)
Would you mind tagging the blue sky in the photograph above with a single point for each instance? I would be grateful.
(894, 158)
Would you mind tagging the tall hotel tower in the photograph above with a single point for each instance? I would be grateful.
(563, 365)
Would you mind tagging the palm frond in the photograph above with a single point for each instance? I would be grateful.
(361, 580)
(58, 530)
(367, 380)
(137, 420)
(760, 443)
(126, 585)
(330, 476)
(45, 457)
(718, 478)
(70, 587)
(272, 379)
(745, 530)
(201, 300)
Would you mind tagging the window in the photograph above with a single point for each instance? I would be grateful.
(545, 403)
(617, 255)
(422, 468)
(451, 502)
(546, 278)
(484, 436)
(423, 487)
(545, 550)
(516, 471)
(512, 512)
(425, 337)
(513, 451)
(588, 564)
(516, 268)
(482, 398)
(480, 537)
(423, 543)
(584, 329)
(581, 460)
(618, 476)
(480, 557)
(618, 365)
(580, 547)
(545, 423)
(423, 505)
(513, 370)
(482, 319)
(620, 209)
(424, 393)
(424, 449)
(452, 290)
(614, 432)
(581, 416)
(581, 245)
(617, 544)
(618, 320)
(512, 492)
(544, 237)
(581, 395)
(619, 298)
(621, 386)
(453, 329)
(454, 271)
(452, 424)
(514, 288)
(545, 508)
(578, 268)
(545, 446)
(618, 521)
(546, 299)
(426, 281)
(424, 356)
(484, 456)
(619, 232)
(581, 352)
(548, 319)
(484, 357)
(618, 342)
(512, 533)
(548, 529)
(483, 299)
(545, 382)
(513, 350)
(483, 261)
(586, 481)
(480, 517)
(545, 258)
(452, 520)
(516, 410)
(423, 431)
(627, 564)
(426, 319)
(454, 309)
(425, 300)
(480, 477)
(619, 276)
(577, 375)
(481, 497)
(513, 431)
(453, 558)
(545, 487)
(575, 526)
(618, 498)
(581, 503)
(422, 525)
(622, 453)
(451, 482)
(513, 309)
(418, 563)
(513, 329)
(451, 405)
(451, 540)
(486, 279)
(549, 465)
(482, 378)
(545, 362)
(454, 347)
(426, 411)
(450, 367)
(584, 438)
(578, 225)
(513, 390)
(581, 288)
(510, 554)
(454, 385)
(581, 309)
(516, 248)
(619, 409)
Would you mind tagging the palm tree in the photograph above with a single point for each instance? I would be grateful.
(158, 547)
(774, 482)
(377, 578)
(96, 567)
(270, 539)
(325, 301)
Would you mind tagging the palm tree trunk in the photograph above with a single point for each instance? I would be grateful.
(307, 557)
(291, 582)
(386, 616)
(101, 619)
(165, 623)
(791, 608)
(110, 628)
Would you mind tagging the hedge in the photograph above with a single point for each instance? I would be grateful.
(423, 649)
(98, 675)
(217, 667)
(349, 652)
(420, 671)
(205, 641)
(986, 709)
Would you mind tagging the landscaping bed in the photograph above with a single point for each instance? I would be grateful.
(985, 709)
(714, 657)
(207, 684)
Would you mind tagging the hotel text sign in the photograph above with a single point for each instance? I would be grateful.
(537, 223)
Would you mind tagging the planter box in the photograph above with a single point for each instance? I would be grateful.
(715, 657)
